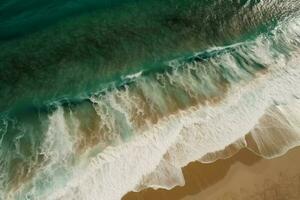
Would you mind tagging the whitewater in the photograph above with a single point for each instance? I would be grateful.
(95, 107)
(141, 133)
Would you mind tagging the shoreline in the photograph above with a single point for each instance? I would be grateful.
(245, 175)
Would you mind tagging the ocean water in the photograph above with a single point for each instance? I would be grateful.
(98, 98)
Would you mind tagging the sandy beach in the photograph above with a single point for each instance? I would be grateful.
(243, 176)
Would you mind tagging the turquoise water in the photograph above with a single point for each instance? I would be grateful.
(75, 55)
(100, 70)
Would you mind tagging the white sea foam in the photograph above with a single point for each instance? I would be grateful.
(154, 158)
(155, 155)
(135, 75)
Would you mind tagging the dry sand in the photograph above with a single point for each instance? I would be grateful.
(244, 176)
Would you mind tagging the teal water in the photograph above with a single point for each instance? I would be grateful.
(70, 66)
(75, 55)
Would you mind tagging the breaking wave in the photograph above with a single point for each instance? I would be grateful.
(139, 133)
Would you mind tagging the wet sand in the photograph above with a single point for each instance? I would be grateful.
(245, 176)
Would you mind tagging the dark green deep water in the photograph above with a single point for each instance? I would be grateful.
(62, 52)
(64, 49)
